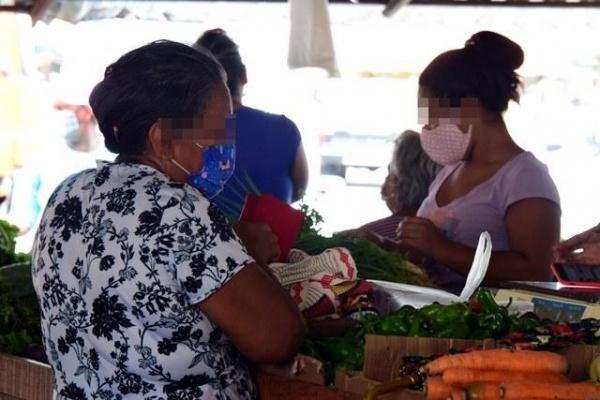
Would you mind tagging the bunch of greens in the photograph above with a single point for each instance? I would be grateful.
(19, 308)
(8, 234)
(372, 261)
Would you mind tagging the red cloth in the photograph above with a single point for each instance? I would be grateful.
(284, 221)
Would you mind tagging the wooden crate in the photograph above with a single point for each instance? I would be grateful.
(272, 387)
(24, 379)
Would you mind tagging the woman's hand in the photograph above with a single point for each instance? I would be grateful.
(259, 240)
(583, 248)
(420, 234)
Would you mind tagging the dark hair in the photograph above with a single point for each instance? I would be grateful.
(162, 79)
(226, 51)
(414, 170)
(483, 69)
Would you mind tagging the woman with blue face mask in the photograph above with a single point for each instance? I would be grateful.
(271, 156)
(146, 290)
(488, 182)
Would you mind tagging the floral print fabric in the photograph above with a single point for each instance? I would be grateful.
(121, 260)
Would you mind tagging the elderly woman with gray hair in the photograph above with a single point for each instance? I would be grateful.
(410, 173)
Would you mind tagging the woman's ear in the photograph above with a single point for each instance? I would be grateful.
(158, 145)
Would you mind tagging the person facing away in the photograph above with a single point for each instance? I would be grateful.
(270, 157)
(146, 291)
(488, 182)
(410, 173)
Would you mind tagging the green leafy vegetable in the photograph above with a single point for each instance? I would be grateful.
(372, 261)
(8, 233)
(19, 310)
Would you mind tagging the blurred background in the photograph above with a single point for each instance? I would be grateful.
(348, 116)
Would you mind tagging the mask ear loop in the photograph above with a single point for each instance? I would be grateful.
(184, 169)
(181, 167)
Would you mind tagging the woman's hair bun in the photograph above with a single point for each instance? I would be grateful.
(495, 50)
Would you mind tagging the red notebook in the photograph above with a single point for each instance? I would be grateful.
(284, 220)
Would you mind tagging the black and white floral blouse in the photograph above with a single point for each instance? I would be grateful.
(121, 260)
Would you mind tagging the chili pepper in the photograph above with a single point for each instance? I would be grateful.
(487, 302)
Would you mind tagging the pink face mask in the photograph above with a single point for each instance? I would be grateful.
(445, 144)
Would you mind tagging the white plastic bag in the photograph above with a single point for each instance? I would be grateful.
(390, 296)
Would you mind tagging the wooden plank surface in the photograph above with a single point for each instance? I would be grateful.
(271, 387)
(384, 354)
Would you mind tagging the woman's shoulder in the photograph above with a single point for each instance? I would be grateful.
(249, 112)
(153, 183)
(527, 177)
(525, 163)
(275, 121)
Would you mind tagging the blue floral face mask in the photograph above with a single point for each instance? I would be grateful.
(217, 168)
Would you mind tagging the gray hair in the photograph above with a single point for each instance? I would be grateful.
(413, 169)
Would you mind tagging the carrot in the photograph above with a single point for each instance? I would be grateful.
(459, 376)
(556, 391)
(436, 389)
(457, 394)
(502, 360)
(483, 391)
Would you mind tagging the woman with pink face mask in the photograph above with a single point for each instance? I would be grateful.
(488, 182)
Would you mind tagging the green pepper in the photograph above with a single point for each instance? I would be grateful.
(524, 323)
(419, 326)
(452, 314)
(431, 310)
(487, 302)
(394, 324)
(494, 323)
(346, 350)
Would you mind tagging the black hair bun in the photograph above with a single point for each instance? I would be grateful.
(218, 43)
(495, 50)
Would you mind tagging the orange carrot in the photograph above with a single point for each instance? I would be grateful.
(556, 391)
(458, 376)
(457, 394)
(435, 389)
(501, 360)
(483, 391)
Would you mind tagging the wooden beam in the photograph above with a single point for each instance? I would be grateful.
(16, 8)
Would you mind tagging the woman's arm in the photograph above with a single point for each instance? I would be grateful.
(299, 174)
(257, 315)
(532, 227)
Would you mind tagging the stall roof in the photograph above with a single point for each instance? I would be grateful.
(79, 10)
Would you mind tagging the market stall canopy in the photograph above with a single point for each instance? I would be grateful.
(80, 10)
